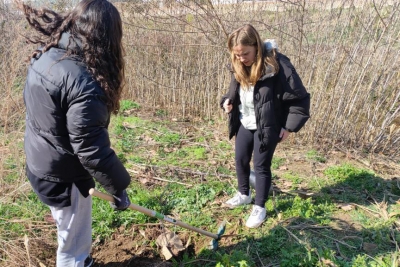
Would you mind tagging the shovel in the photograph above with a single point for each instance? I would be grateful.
(213, 244)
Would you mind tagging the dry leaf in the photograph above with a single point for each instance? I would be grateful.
(143, 233)
(172, 241)
(216, 202)
(287, 184)
(162, 240)
(188, 242)
(144, 181)
(140, 251)
(168, 150)
(304, 195)
(224, 205)
(394, 214)
(328, 263)
(166, 253)
(148, 139)
(346, 207)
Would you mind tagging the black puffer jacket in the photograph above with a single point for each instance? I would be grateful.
(66, 137)
(280, 101)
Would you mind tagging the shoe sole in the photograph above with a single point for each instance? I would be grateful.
(232, 206)
(257, 225)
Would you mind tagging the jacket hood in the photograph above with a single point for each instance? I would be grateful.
(69, 42)
(269, 72)
(270, 44)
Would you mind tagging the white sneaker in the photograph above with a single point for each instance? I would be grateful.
(239, 199)
(256, 218)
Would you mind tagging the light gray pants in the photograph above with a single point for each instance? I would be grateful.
(74, 230)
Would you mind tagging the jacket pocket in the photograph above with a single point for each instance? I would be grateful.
(269, 137)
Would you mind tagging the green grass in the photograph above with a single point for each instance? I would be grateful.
(277, 162)
(313, 231)
(306, 247)
(106, 220)
(126, 105)
(314, 155)
(294, 178)
(16, 217)
(354, 183)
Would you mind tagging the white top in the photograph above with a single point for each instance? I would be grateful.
(246, 108)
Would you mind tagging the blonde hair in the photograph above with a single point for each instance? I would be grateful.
(247, 35)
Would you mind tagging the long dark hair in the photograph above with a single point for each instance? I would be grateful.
(94, 24)
(247, 35)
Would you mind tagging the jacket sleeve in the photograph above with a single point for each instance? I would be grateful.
(295, 98)
(297, 114)
(231, 91)
(87, 121)
(222, 101)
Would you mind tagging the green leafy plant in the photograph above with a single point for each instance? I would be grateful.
(127, 105)
(315, 156)
(277, 162)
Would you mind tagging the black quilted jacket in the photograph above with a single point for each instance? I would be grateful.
(280, 101)
(66, 137)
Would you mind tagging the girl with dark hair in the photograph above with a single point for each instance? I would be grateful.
(265, 102)
(73, 85)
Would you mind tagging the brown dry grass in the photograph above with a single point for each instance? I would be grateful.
(347, 53)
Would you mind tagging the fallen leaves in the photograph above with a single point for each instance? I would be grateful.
(170, 244)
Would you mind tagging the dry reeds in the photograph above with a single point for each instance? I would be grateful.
(347, 53)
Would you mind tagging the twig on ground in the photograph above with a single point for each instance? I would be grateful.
(340, 252)
(164, 180)
(393, 235)
(26, 244)
(12, 193)
(197, 260)
(231, 235)
(356, 157)
(146, 224)
(307, 226)
(374, 213)
(341, 242)
(169, 181)
(301, 242)
(259, 258)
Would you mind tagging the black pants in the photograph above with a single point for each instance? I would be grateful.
(246, 145)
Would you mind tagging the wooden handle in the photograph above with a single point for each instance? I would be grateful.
(153, 213)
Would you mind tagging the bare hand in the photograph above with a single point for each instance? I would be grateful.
(227, 106)
(284, 134)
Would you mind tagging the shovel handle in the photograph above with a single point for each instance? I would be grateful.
(153, 213)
